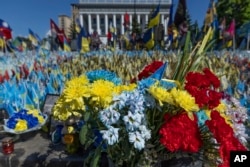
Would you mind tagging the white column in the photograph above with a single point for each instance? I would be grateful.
(130, 21)
(89, 23)
(162, 19)
(138, 18)
(81, 20)
(166, 26)
(98, 23)
(146, 19)
(114, 20)
(122, 26)
(106, 24)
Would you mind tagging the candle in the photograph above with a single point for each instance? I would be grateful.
(7, 145)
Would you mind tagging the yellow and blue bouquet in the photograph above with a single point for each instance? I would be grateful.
(25, 121)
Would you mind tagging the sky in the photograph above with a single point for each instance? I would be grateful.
(22, 15)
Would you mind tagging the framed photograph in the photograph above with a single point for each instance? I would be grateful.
(50, 101)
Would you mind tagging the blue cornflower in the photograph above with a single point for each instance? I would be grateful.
(202, 117)
(111, 135)
(137, 139)
(103, 74)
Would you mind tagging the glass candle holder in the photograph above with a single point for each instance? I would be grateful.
(7, 145)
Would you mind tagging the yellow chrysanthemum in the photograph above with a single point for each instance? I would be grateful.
(21, 125)
(81, 80)
(120, 88)
(184, 100)
(63, 110)
(102, 92)
(161, 94)
(74, 92)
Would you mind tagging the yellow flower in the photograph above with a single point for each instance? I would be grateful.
(74, 92)
(222, 109)
(161, 94)
(63, 110)
(102, 92)
(120, 88)
(21, 125)
(184, 100)
(36, 114)
(208, 113)
(81, 80)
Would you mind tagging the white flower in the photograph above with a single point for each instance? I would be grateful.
(137, 139)
(146, 134)
(111, 135)
(109, 116)
(132, 120)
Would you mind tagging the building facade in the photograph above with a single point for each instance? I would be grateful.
(100, 15)
(64, 23)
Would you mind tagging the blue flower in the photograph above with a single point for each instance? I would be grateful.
(167, 84)
(146, 133)
(103, 74)
(202, 117)
(145, 83)
(133, 120)
(137, 139)
(111, 135)
(109, 116)
(32, 121)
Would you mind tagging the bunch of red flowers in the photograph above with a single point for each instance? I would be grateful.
(203, 88)
(224, 135)
(180, 133)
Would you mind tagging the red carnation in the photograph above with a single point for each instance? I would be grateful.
(224, 135)
(202, 88)
(214, 80)
(180, 133)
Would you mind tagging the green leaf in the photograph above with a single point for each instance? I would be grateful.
(96, 158)
(86, 116)
(83, 134)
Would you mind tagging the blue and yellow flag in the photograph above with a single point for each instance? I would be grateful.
(78, 26)
(158, 74)
(66, 46)
(155, 17)
(148, 38)
(33, 38)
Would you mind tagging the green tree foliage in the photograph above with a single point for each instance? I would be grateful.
(136, 26)
(188, 19)
(72, 31)
(234, 9)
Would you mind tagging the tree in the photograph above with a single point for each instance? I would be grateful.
(72, 31)
(136, 26)
(234, 9)
(189, 20)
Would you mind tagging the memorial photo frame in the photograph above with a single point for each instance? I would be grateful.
(50, 100)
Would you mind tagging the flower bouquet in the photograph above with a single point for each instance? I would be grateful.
(154, 119)
(25, 121)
